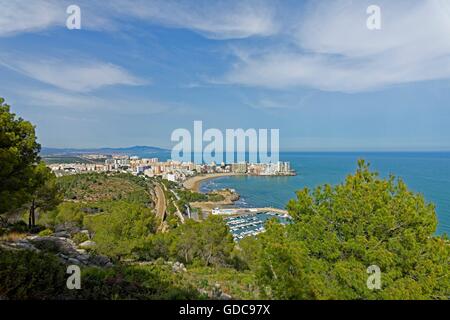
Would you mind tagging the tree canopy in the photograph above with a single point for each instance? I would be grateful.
(339, 231)
(18, 157)
(46, 195)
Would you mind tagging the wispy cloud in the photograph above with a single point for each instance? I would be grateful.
(24, 16)
(322, 45)
(275, 102)
(49, 98)
(213, 19)
(75, 75)
(88, 102)
(29, 16)
(331, 49)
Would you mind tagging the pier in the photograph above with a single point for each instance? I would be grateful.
(241, 211)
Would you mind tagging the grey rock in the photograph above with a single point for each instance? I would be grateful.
(56, 245)
(99, 260)
(63, 256)
(225, 296)
(62, 234)
(74, 261)
(89, 244)
(83, 258)
(178, 267)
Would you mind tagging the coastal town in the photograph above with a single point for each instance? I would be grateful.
(174, 171)
(243, 222)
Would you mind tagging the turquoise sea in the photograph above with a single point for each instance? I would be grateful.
(424, 172)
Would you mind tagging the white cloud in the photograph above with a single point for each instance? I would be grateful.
(57, 99)
(79, 102)
(25, 16)
(333, 50)
(276, 103)
(29, 16)
(79, 76)
(323, 45)
(213, 19)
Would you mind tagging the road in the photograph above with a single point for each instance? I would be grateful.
(160, 203)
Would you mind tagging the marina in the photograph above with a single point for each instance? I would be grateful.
(253, 223)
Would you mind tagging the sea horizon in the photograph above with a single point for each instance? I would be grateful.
(427, 173)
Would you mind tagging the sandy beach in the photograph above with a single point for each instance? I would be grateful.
(193, 183)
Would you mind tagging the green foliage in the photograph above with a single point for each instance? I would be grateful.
(205, 243)
(133, 282)
(209, 241)
(80, 237)
(46, 195)
(154, 247)
(18, 156)
(190, 196)
(121, 228)
(246, 253)
(19, 227)
(95, 187)
(29, 275)
(45, 233)
(68, 214)
(340, 231)
(239, 284)
(214, 197)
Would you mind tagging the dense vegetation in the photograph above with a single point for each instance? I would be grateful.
(31, 275)
(18, 156)
(92, 187)
(207, 243)
(25, 181)
(336, 234)
(190, 196)
(178, 197)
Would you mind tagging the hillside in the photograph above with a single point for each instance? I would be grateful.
(95, 187)
(45, 151)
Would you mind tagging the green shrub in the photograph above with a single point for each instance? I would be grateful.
(80, 237)
(68, 214)
(47, 245)
(20, 227)
(121, 229)
(45, 233)
(29, 275)
(132, 282)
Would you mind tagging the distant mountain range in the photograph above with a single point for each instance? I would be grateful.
(126, 151)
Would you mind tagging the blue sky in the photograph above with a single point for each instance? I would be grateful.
(137, 70)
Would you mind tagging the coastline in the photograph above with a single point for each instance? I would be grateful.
(194, 183)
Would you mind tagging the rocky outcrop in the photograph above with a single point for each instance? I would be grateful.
(89, 244)
(64, 248)
(178, 267)
(216, 293)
